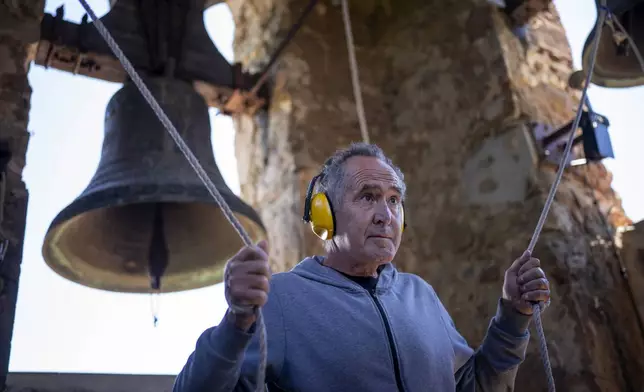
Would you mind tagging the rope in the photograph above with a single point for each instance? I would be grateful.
(543, 346)
(212, 189)
(355, 77)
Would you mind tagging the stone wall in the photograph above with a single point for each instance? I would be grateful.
(19, 32)
(450, 92)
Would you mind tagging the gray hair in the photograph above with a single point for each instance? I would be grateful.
(332, 180)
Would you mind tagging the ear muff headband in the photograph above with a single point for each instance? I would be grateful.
(318, 212)
(307, 201)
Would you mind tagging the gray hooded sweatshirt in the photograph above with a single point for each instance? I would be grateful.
(326, 333)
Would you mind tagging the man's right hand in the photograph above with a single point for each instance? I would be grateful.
(247, 280)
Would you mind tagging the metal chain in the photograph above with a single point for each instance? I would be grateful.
(194, 162)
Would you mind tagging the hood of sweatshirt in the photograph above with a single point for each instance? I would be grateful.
(312, 268)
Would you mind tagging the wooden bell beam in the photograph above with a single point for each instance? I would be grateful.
(188, 54)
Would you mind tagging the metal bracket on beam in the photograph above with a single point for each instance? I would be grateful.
(594, 138)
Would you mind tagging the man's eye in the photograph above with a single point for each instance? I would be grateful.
(393, 200)
(367, 197)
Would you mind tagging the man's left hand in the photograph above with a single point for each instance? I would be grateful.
(526, 283)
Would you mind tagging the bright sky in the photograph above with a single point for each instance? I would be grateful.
(64, 327)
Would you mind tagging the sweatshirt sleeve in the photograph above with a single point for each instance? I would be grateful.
(225, 358)
(493, 366)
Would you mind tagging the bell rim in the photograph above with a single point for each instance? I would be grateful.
(151, 193)
(71, 275)
(129, 195)
(68, 275)
(603, 79)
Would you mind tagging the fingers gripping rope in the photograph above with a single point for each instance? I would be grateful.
(212, 189)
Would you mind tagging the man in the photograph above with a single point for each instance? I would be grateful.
(349, 321)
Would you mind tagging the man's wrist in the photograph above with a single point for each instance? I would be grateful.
(509, 319)
(242, 321)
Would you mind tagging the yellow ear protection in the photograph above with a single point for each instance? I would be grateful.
(318, 212)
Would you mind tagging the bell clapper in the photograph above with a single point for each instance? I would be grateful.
(158, 259)
(154, 307)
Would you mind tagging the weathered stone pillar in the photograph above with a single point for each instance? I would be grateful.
(450, 93)
(631, 241)
(19, 32)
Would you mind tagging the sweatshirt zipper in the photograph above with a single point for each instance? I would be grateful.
(390, 337)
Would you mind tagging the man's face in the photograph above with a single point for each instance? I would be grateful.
(369, 218)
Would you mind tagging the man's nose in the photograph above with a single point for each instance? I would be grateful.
(383, 214)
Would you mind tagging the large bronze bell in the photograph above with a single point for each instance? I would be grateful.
(617, 65)
(146, 223)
